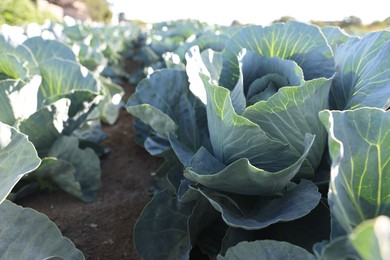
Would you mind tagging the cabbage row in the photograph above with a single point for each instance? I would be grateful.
(275, 139)
(53, 98)
(276, 145)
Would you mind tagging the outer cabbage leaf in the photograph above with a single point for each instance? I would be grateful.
(362, 73)
(206, 227)
(152, 105)
(369, 240)
(91, 57)
(61, 76)
(208, 63)
(19, 238)
(339, 248)
(28, 234)
(60, 172)
(17, 158)
(21, 52)
(241, 176)
(359, 145)
(46, 125)
(75, 170)
(300, 42)
(335, 36)
(82, 108)
(12, 68)
(17, 99)
(46, 49)
(161, 229)
(266, 249)
(205, 42)
(112, 102)
(252, 212)
(76, 32)
(164, 102)
(213, 62)
(303, 232)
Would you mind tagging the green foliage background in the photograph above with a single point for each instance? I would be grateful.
(23, 12)
(99, 10)
(20, 12)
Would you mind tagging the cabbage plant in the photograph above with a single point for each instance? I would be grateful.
(246, 151)
(358, 192)
(47, 95)
(19, 238)
(164, 44)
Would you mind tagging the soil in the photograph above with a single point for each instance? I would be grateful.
(104, 229)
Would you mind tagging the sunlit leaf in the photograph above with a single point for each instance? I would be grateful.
(28, 234)
(17, 158)
(266, 249)
(359, 145)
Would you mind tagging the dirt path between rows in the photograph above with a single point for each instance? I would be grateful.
(104, 229)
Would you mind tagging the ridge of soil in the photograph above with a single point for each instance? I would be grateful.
(103, 229)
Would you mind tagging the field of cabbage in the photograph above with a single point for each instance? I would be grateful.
(184, 140)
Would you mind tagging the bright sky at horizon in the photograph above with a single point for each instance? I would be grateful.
(251, 11)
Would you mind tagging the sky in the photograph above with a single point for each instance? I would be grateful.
(251, 11)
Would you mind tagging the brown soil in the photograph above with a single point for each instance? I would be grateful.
(104, 229)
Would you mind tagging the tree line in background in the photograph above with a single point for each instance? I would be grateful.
(19, 12)
(350, 23)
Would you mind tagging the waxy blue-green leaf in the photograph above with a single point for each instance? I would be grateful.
(339, 248)
(7, 114)
(253, 213)
(18, 99)
(208, 171)
(92, 58)
(335, 36)
(205, 227)
(371, 238)
(362, 73)
(359, 145)
(28, 234)
(213, 62)
(21, 52)
(82, 106)
(61, 76)
(60, 172)
(291, 113)
(302, 43)
(77, 32)
(112, 102)
(202, 63)
(206, 42)
(46, 49)
(81, 172)
(17, 158)
(161, 230)
(46, 125)
(12, 68)
(154, 98)
(266, 249)
(155, 118)
(164, 102)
